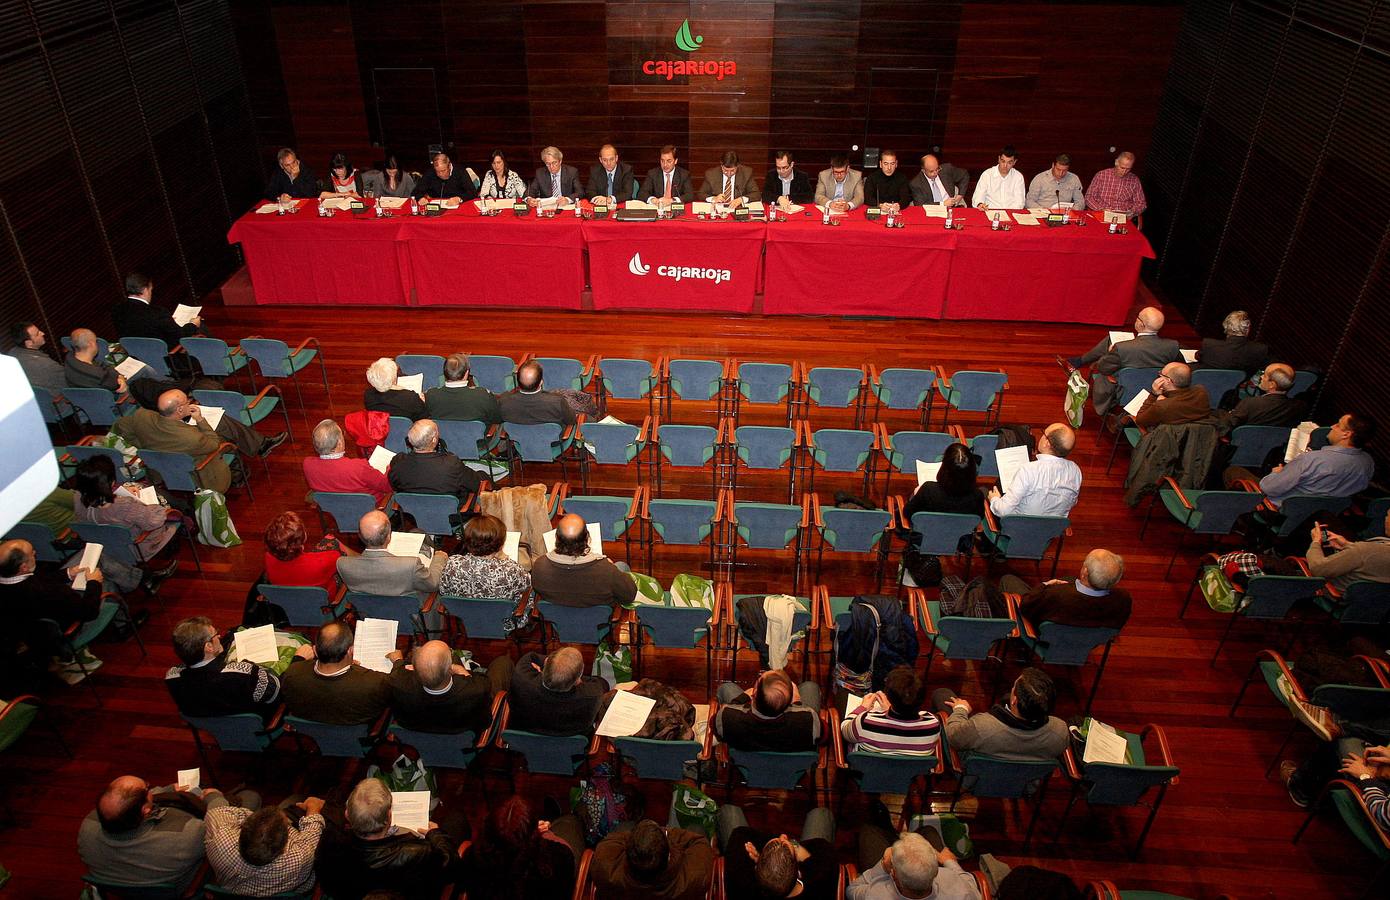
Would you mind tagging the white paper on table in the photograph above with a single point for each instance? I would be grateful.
(445, 203)
(256, 645)
(626, 714)
(1039, 210)
(926, 471)
(1009, 460)
(1117, 217)
(1003, 215)
(512, 546)
(91, 555)
(595, 539)
(213, 415)
(268, 209)
(543, 202)
(381, 458)
(374, 639)
(702, 207)
(821, 210)
(129, 366)
(392, 202)
(755, 208)
(1025, 218)
(1104, 744)
(1298, 439)
(792, 209)
(1136, 403)
(149, 496)
(638, 204)
(336, 203)
(414, 382)
(411, 809)
(1189, 356)
(935, 210)
(189, 778)
(497, 203)
(1119, 337)
(183, 315)
(405, 543)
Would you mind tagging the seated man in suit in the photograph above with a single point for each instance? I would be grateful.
(137, 316)
(668, 182)
(1048, 485)
(334, 472)
(1091, 601)
(1146, 350)
(1236, 351)
(445, 182)
(887, 187)
(1272, 406)
(554, 179)
(459, 399)
(42, 370)
(207, 683)
(774, 715)
(940, 184)
(292, 180)
(437, 695)
(179, 427)
(610, 177)
(378, 571)
(1023, 728)
(83, 368)
(729, 183)
(1174, 400)
(572, 575)
(840, 187)
(324, 684)
(426, 469)
(552, 695)
(531, 404)
(35, 598)
(786, 185)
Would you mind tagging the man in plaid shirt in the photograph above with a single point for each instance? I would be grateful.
(1118, 189)
(262, 853)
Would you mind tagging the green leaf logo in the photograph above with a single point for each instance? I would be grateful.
(684, 41)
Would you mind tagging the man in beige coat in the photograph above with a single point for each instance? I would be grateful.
(840, 187)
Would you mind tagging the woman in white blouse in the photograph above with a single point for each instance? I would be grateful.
(343, 179)
(501, 182)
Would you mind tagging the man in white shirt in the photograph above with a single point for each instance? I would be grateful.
(1046, 486)
(1001, 187)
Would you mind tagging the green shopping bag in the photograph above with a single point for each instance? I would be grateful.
(215, 526)
(614, 666)
(649, 591)
(406, 775)
(1077, 392)
(955, 834)
(692, 591)
(1217, 590)
(693, 808)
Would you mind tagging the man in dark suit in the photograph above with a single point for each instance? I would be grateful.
(730, 183)
(458, 399)
(434, 694)
(1237, 351)
(1091, 601)
(552, 695)
(1273, 406)
(530, 404)
(887, 187)
(428, 470)
(1146, 350)
(939, 183)
(137, 316)
(292, 181)
(785, 184)
(667, 182)
(554, 179)
(610, 177)
(445, 182)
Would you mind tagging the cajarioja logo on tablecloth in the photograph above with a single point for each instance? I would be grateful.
(677, 273)
(685, 41)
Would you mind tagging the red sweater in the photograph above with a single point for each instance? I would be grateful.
(346, 475)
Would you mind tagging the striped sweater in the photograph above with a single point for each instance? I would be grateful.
(885, 733)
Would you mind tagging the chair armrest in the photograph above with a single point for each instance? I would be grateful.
(958, 433)
(523, 602)
(304, 343)
(503, 717)
(990, 519)
(90, 440)
(850, 870)
(581, 875)
(558, 493)
(896, 507)
(1164, 752)
(882, 439)
(572, 432)
(837, 737)
(982, 883)
(707, 748)
(379, 726)
(590, 365)
(1302, 564)
(22, 698)
(1070, 765)
(872, 374)
(807, 516)
(917, 605)
(1379, 668)
(1273, 656)
(635, 508)
(277, 720)
(801, 434)
(812, 502)
(494, 716)
(428, 605)
(1102, 890)
(1355, 790)
(216, 454)
(261, 396)
(941, 376)
(1022, 627)
(1168, 482)
(647, 432)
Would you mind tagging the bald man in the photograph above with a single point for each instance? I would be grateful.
(552, 695)
(1273, 406)
(30, 594)
(1047, 485)
(530, 403)
(1175, 400)
(378, 571)
(1092, 600)
(774, 715)
(432, 693)
(1146, 350)
(428, 469)
(574, 575)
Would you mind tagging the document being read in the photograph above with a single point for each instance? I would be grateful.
(213, 415)
(1136, 403)
(511, 547)
(129, 366)
(414, 382)
(189, 779)
(595, 539)
(626, 714)
(373, 640)
(1119, 337)
(91, 554)
(411, 809)
(1104, 745)
(405, 544)
(256, 645)
(183, 315)
(381, 459)
(1298, 439)
(926, 471)
(1009, 460)
(1188, 356)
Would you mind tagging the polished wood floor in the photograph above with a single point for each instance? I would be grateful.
(1224, 827)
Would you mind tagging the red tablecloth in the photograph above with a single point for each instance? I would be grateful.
(303, 258)
(858, 268)
(462, 258)
(1036, 273)
(682, 263)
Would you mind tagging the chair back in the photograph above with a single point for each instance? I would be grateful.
(991, 776)
(695, 379)
(1368, 707)
(1070, 645)
(103, 346)
(1123, 785)
(563, 372)
(673, 626)
(939, 534)
(548, 754)
(303, 606)
(1303, 380)
(97, 405)
(1131, 380)
(682, 521)
(609, 512)
(232, 402)
(1365, 603)
(111, 890)
(764, 382)
(768, 526)
(904, 388)
(687, 445)
(1217, 511)
(764, 447)
(84, 452)
(974, 391)
(841, 449)
(832, 387)
(345, 509)
(115, 541)
(40, 536)
(150, 351)
(431, 512)
(397, 428)
(575, 624)
(1367, 832)
(482, 617)
(766, 770)
(338, 741)
(1272, 596)
(966, 637)
(1298, 507)
(48, 407)
(241, 732)
(1217, 382)
(613, 443)
(983, 446)
(1030, 536)
(627, 379)
(536, 443)
(178, 471)
(854, 530)
(463, 437)
(403, 610)
(445, 751)
(1252, 443)
(1376, 512)
(212, 354)
(15, 718)
(427, 364)
(910, 446)
(496, 373)
(272, 357)
(887, 773)
(657, 760)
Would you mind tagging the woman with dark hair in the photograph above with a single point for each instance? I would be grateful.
(519, 858)
(954, 490)
(96, 500)
(483, 570)
(343, 179)
(390, 180)
(288, 563)
(500, 182)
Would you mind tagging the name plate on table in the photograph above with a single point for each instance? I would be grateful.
(434, 209)
(741, 214)
(1056, 218)
(357, 206)
(635, 215)
(677, 209)
(600, 206)
(871, 213)
(519, 208)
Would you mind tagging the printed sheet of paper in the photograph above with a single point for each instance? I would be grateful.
(852, 702)
(1189, 356)
(129, 366)
(638, 204)
(213, 415)
(1136, 403)
(1104, 744)
(701, 718)
(381, 459)
(926, 471)
(414, 382)
(405, 543)
(702, 207)
(186, 314)
(1025, 219)
(191, 779)
(755, 208)
(595, 539)
(610, 420)
(1119, 337)
(1298, 439)
(792, 209)
(149, 496)
(392, 202)
(1009, 460)
(256, 645)
(91, 555)
(1116, 217)
(935, 210)
(373, 640)
(512, 546)
(411, 809)
(626, 714)
(268, 209)
(1039, 211)
(496, 203)
(336, 203)
(1001, 213)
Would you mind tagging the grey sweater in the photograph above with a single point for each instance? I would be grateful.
(983, 733)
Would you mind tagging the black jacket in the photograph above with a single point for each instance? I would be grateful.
(463, 403)
(223, 688)
(534, 707)
(1233, 353)
(415, 867)
(880, 188)
(623, 181)
(395, 402)
(135, 318)
(458, 184)
(1267, 409)
(803, 191)
(436, 472)
(305, 186)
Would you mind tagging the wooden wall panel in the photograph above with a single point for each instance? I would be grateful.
(318, 55)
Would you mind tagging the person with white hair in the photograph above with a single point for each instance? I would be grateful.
(383, 394)
(1145, 350)
(1235, 350)
(1092, 600)
(430, 469)
(908, 868)
(552, 695)
(554, 180)
(333, 471)
(1118, 189)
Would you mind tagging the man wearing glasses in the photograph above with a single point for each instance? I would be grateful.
(785, 185)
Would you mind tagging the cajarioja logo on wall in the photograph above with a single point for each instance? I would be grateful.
(718, 276)
(670, 68)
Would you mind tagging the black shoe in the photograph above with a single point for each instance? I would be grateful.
(272, 442)
(155, 577)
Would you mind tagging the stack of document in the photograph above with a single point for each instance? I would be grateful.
(256, 645)
(1104, 745)
(1298, 439)
(1009, 461)
(391, 202)
(336, 203)
(373, 640)
(926, 471)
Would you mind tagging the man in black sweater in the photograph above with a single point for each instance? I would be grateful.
(887, 187)
(552, 695)
(444, 182)
(428, 470)
(459, 399)
(137, 316)
(774, 715)
(208, 683)
(437, 695)
(292, 181)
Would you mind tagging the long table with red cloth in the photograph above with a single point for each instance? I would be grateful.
(685, 263)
